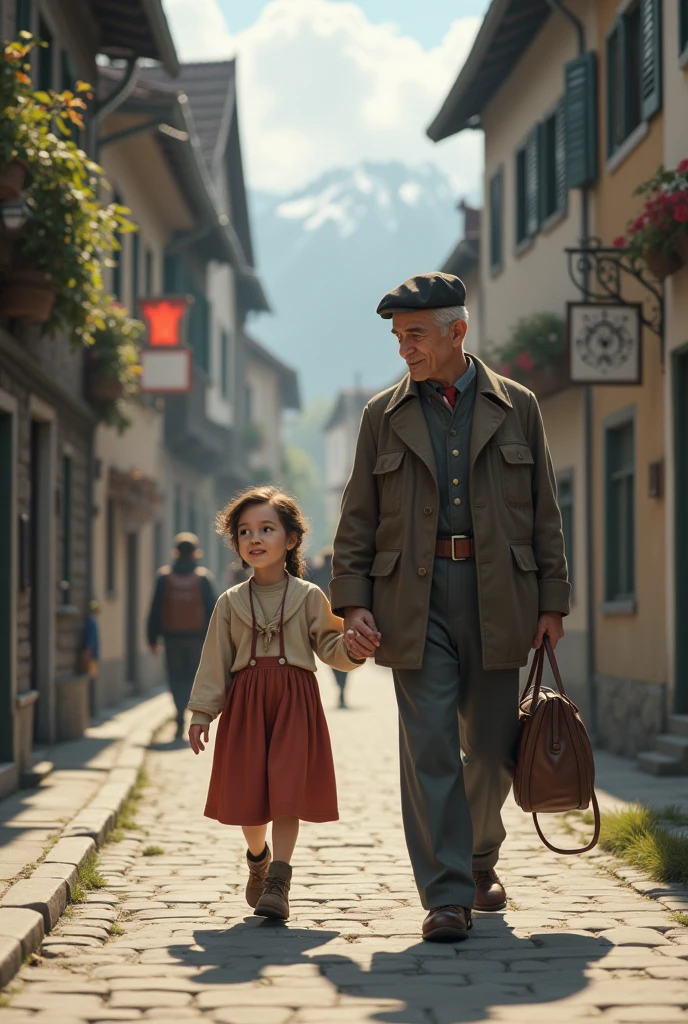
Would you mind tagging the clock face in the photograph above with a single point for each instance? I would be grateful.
(604, 344)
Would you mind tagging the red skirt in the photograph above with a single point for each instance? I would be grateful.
(272, 749)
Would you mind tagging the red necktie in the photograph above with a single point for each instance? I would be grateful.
(450, 393)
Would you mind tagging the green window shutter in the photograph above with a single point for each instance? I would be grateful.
(135, 253)
(580, 117)
(520, 205)
(532, 190)
(561, 186)
(496, 193)
(651, 57)
(614, 108)
(544, 204)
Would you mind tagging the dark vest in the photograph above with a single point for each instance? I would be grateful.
(450, 433)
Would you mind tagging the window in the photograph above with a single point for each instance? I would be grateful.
(150, 266)
(66, 529)
(633, 71)
(565, 491)
(119, 256)
(682, 26)
(620, 512)
(135, 253)
(527, 187)
(224, 363)
(23, 16)
(178, 510)
(110, 549)
(178, 281)
(45, 57)
(496, 214)
(553, 190)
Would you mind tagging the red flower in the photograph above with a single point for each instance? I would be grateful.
(683, 167)
(681, 213)
(525, 362)
(620, 242)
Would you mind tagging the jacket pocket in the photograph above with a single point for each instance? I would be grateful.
(384, 563)
(525, 558)
(516, 473)
(388, 470)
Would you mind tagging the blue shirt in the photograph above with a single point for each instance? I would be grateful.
(462, 383)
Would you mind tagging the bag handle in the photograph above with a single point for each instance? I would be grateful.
(584, 849)
(535, 678)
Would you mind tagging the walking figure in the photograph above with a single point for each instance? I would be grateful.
(272, 760)
(180, 611)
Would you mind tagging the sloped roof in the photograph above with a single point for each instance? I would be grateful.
(507, 30)
(289, 380)
(135, 28)
(349, 404)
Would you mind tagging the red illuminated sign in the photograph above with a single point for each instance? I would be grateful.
(165, 320)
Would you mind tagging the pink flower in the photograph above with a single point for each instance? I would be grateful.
(683, 167)
(681, 213)
(620, 242)
(525, 362)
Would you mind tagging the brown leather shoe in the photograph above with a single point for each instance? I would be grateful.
(274, 902)
(257, 873)
(489, 891)
(447, 924)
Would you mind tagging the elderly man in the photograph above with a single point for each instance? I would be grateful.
(448, 566)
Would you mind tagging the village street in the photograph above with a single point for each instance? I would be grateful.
(574, 944)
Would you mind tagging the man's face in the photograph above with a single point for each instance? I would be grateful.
(426, 351)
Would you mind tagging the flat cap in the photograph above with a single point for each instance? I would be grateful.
(424, 291)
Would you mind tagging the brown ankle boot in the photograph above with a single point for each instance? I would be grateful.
(275, 899)
(257, 873)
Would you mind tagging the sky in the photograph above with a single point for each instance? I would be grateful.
(331, 83)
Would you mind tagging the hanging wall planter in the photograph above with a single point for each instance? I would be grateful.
(102, 387)
(27, 295)
(660, 264)
(12, 177)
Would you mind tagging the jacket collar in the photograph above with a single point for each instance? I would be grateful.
(488, 383)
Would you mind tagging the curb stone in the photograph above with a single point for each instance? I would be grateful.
(32, 906)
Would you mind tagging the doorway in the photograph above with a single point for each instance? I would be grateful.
(680, 369)
(133, 625)
(6, 577)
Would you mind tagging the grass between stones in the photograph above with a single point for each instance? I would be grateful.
(88, 878)
(643, 837)
(126, 819)
(152, 851)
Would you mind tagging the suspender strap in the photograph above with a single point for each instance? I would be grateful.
(254, 637)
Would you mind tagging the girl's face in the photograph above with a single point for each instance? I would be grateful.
(263, 541)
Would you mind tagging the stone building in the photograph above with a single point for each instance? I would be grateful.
(46, 434)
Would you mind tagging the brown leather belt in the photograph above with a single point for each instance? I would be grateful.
(458, 548)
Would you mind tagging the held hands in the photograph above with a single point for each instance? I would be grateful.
(550, 623)
(197, 735)
(361, 635)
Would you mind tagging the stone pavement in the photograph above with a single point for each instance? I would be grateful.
(575, 944)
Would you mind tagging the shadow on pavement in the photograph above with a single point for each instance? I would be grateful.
(455, 983)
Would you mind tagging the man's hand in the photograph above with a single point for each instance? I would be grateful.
(363, 637)
(154, 648)
(550, 623)
(197, 734)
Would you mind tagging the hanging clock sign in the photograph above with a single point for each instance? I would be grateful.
(605, 343)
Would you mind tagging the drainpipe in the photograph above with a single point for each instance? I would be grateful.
(558, 6)
(121, 93)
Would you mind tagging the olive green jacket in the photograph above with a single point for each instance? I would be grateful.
(384, 548)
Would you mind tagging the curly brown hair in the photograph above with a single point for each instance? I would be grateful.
(290, 516)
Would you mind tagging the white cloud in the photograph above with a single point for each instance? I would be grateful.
(320, 87)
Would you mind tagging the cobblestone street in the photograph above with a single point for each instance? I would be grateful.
(170, 937)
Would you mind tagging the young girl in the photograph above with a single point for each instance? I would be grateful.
(272, 760)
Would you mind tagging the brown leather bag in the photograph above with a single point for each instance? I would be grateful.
(555, 770)
(183, 610)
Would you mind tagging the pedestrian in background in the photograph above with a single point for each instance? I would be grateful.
(90, 651)
(180, 611)
(272, 759)
(321, 574)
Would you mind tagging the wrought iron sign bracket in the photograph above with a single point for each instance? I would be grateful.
(600, 274)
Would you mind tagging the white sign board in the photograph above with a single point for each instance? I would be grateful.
(605, 343)
(166, 371)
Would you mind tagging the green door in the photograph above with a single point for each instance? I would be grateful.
(681, 526)
(6, 644)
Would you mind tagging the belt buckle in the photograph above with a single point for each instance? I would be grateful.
(458, 536)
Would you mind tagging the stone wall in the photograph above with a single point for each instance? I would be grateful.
(630, 713)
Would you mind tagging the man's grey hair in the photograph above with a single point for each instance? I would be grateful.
(445, 316)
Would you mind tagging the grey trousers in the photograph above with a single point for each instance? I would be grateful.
(458, 727)
(182, 655)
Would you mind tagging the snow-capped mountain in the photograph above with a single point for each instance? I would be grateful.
(328, 252)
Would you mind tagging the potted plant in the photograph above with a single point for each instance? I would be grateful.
(69, 235)
(534, 354)
(112, 368)
(14, 80)
(659, 236)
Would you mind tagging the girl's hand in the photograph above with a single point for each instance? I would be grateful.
(197, 734)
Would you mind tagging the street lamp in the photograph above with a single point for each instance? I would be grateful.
(14, 214)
